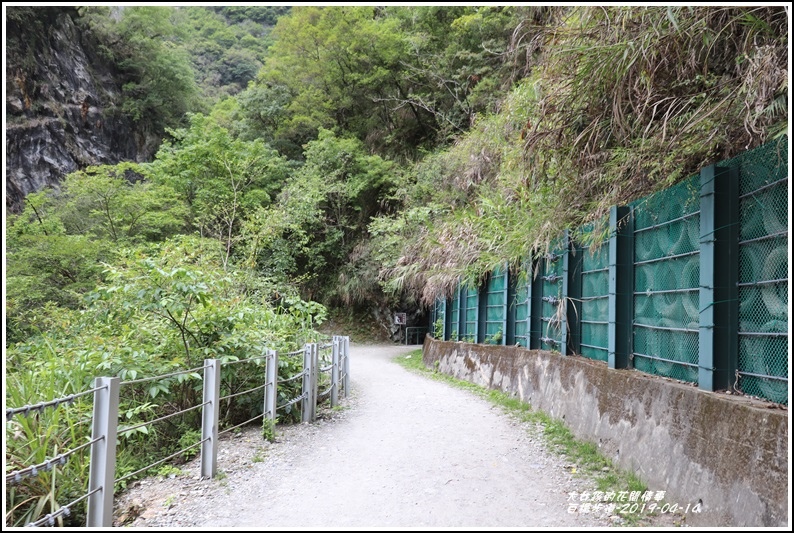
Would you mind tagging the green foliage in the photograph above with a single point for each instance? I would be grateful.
(267, 15)
(496, 338)
(35, 439)
(438, 329)
(457, 61)
(332, 60)
(197, 52)
(162, 308)
(167, 470)
(221, 178)
(226, 47)
(160, 85)
(56, 246)
(190, 436)
(268, 433)
(618, 102)
(322, 213)
(119, 203)
(399, 79)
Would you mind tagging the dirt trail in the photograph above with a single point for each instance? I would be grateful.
(405, 452)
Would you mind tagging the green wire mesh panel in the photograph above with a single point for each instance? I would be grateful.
(522, 309)
(454, 317)
(496, 307)
(594, 309)
(666, 282)
(553, 306)
(763, 272)
(471, 301)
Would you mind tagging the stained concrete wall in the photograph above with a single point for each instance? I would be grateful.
(728, 452)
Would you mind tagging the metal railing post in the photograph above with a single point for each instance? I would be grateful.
(718, 347)
(102, 470)
(315, 378)
(209, 417)
(346, 365)
(271, 375)
(621, 286)
(306, 389)
(335, 371)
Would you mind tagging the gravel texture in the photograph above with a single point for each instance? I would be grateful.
(402, 451)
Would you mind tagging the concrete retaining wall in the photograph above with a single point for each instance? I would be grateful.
(728, 452)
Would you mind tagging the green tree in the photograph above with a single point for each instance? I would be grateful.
(221, 178)
(459, 62)
(118, 203)
(159, 83)
(335, 63)
(322, 214)
(56, 246)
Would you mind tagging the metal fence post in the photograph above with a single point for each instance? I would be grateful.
(566, 320)
(510, 314)
(315, 378)
(346, 365)
(209, 417)
(306, 389)
(461, 312)
(482, 310)
(505, 301)
(535, 313)
(335, 371)
(719, 277)
(574, 296)
(621, 285)
(271, 375)
(102, 470)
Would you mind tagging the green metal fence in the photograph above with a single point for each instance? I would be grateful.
(691, 285)
(471, 321)
(453, 324)
(496, 307)
(522, 302)
(763, 365)
(553, 306)
(593, 310)
(666, 282)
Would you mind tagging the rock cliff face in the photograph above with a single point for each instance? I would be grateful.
(63, 105)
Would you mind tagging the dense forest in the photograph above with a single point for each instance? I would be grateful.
(315, 158)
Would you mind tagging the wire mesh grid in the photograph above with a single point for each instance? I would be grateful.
(666, 282)
(495, 307)
(594, 308)
(763, 272)
(454, 317)
(552, 320)
(470, 330)
(522, 309)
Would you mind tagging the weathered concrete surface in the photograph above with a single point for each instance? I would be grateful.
(730, 453)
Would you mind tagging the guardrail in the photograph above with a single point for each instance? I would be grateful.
(415, 335)
(105, 420)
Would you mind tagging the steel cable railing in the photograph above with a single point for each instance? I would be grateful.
(106, 424)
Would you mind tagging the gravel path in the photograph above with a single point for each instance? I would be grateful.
(405, 451)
